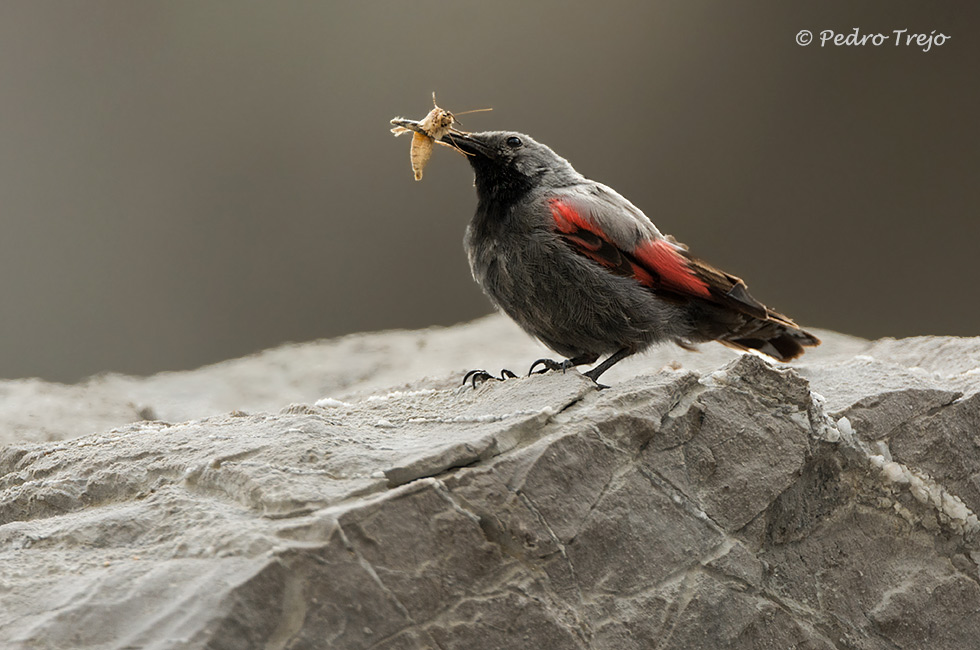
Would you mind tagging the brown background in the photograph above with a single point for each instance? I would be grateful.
(183, 182)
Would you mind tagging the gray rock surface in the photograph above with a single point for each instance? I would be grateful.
(349, 494)
(349, 367)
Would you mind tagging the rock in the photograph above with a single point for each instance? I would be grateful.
(322, 496)
(349, 367)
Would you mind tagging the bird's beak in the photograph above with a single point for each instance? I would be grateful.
(468, 143)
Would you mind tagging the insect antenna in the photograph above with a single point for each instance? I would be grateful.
(453, 146)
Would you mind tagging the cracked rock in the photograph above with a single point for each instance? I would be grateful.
(289, 501)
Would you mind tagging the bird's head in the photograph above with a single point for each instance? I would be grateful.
(509, 164)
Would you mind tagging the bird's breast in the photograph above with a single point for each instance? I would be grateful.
(488, 261)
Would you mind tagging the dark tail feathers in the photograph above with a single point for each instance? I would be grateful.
(774, 339)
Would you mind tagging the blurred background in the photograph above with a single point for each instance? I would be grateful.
(183, 182)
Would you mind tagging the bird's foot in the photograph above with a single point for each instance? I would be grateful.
(549, 365)
(481, 376)
(597, 384)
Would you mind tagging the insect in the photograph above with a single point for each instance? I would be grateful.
(426, 132)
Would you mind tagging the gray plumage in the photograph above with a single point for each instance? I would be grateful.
(582, 269)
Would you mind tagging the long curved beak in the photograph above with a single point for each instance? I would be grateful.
(469, 143)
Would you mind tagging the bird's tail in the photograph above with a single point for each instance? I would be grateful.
(780, 340)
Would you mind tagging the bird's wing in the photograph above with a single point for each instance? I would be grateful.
(608, 229)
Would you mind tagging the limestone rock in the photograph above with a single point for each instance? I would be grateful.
(703, 501)
(352, 366)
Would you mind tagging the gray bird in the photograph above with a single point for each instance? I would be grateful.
(584, 271)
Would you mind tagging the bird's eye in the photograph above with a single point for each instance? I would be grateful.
(514, 142)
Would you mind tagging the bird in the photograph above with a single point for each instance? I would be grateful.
(583, 270)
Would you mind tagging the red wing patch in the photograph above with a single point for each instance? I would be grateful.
(668, 270)
(587, 238)
(644, 276)
(568, 220)
(655, 264)
(661, 257)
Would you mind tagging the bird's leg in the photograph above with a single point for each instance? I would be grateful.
(483, 375)
(551, 364)
(607, 364)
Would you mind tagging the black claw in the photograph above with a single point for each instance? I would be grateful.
(595, 379)
(543, 362)
(476, 375)
(481, 376)
(550, 364)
